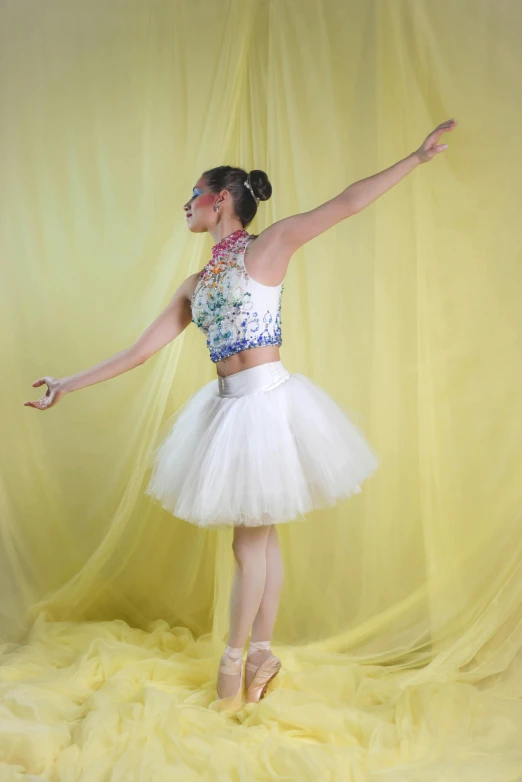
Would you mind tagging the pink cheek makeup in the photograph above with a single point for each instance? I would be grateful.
(205, 199)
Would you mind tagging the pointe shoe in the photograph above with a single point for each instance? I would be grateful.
(232, 665)
(264, 673)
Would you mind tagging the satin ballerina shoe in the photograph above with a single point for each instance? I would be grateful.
(232, 665)
(264, 673)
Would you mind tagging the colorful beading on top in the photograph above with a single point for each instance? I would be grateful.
(234, 311)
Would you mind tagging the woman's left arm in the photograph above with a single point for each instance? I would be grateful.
(362, 193)
(294, 231)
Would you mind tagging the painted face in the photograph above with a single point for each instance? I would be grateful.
(199, 209)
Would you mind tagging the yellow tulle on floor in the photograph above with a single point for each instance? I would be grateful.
(102, 700)
(400, 625)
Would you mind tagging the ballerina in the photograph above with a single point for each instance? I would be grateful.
(257, 446)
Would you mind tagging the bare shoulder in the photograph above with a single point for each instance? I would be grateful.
(267, 256)
(188, 286)
(295, 231)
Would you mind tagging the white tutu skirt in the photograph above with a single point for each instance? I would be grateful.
(261, 446)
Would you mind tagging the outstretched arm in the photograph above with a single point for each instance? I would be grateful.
(171, 322)
(292, 232)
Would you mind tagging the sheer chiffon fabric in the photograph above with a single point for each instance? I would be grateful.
(261, 446)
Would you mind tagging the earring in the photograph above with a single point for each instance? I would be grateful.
(216, 208)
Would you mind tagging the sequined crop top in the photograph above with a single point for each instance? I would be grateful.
(234, 311)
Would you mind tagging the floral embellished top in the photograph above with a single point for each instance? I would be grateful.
(234, 311)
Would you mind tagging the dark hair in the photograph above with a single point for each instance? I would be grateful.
(233, 179)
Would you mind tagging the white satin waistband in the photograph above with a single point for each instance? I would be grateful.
(263, 377)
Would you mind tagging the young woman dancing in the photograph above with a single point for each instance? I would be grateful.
(257, 446)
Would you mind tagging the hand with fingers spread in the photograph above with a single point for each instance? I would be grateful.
(54, 393)
(431, 147)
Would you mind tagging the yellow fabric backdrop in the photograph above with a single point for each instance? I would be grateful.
(400, 628)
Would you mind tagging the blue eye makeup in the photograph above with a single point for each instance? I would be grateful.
(197, 191)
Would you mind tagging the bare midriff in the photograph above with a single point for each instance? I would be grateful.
(247, 359)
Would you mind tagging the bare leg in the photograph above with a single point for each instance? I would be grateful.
(249, 549)
(264, 621)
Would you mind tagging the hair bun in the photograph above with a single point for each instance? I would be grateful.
(260, 184)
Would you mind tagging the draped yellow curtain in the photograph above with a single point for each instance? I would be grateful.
(400, 627)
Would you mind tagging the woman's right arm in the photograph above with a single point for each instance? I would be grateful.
(172, 321)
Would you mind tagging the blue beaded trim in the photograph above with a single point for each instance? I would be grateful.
(242, 344)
